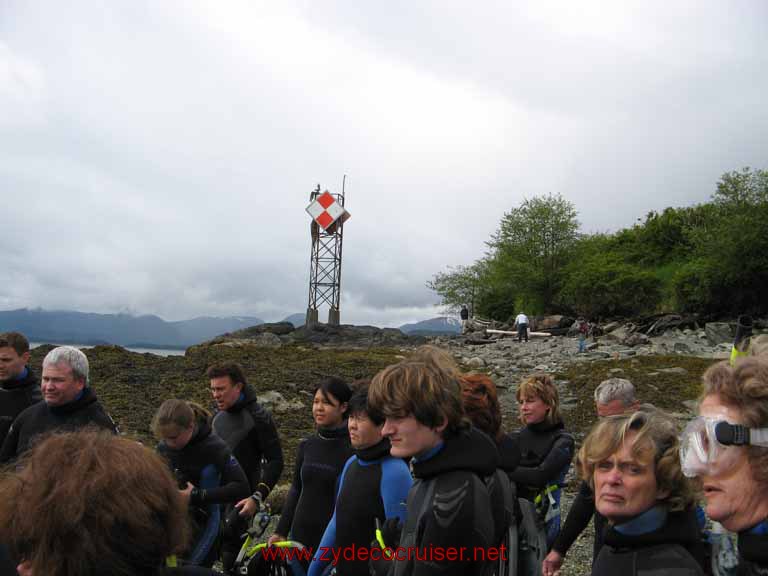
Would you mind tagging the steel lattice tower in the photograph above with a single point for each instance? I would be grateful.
(325, 266)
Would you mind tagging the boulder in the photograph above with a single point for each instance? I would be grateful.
(476, 362)
(267, 340)
(276, 402)
(610, 327)
(554, 321)
(618, 334)
(718, 332)
(635, 339)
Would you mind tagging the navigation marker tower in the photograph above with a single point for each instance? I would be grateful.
(327, 231)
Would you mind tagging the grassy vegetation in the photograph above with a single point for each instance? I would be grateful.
(132, 386)
(665, 390)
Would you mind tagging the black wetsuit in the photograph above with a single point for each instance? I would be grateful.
(581, 512)
(546, 452)
(373, 485)
(309, 504)
(672, 549)
(509, 459)
(16, 395)
(40, 418)
(753, 552)
(449, 509)
(208, 464)
(249, 431)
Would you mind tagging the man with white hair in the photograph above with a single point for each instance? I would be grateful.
(612, 397)
(68, 403)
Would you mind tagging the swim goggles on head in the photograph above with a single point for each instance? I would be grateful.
(709, 445)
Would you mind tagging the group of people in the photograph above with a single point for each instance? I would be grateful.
(408, 472)
(89, 509)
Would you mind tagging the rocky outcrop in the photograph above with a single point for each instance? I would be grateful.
(719, 332)
(280, 333)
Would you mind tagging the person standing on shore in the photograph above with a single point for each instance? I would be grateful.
(449, 506)
(583, 333)
(249, 431)
(68, 404)
(522, 326)
(19, 387)
(464, 315)
(613, 397)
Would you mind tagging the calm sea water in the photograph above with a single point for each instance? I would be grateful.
(155, 351)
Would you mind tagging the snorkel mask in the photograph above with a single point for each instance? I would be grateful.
(709, 445)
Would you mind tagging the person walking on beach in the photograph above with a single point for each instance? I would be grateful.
(583, 328)
(464, 315)
(522, 326)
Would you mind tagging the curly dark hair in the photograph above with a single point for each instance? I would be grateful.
(481, 403)
(91, 503)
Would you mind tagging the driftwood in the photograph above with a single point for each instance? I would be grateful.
(509, 333)
(660, 323)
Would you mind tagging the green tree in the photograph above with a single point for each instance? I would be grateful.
(729, 271)
(533, 244)
(458, 286)
(744, 189)
(600, 284)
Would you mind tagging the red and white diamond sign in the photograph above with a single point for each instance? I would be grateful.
(325, 210)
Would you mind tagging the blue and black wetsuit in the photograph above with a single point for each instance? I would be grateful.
(208, 464)
(372, 485)
(309, 504)
(449, 509)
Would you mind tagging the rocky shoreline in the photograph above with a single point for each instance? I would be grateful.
(284, 364)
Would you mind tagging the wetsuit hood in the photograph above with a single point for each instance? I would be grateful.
(680, 528)
(375, 452)
(468, 449)
(340, 431)
(29, 379)
(87, 397)
(249, 400)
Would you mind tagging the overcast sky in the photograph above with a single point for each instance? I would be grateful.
(157, 157)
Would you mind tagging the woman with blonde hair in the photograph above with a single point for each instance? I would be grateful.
(545, 450)
(207, 473)
(632, 464)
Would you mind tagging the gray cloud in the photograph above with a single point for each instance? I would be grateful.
(157, 157)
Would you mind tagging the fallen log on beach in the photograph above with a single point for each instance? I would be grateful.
(510, 333)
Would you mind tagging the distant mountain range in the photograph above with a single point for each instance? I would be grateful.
(431, 327)
(66, 326)
(440, 325)
(63, 327)
(297, 319)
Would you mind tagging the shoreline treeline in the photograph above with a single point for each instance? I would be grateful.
(710, 258)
